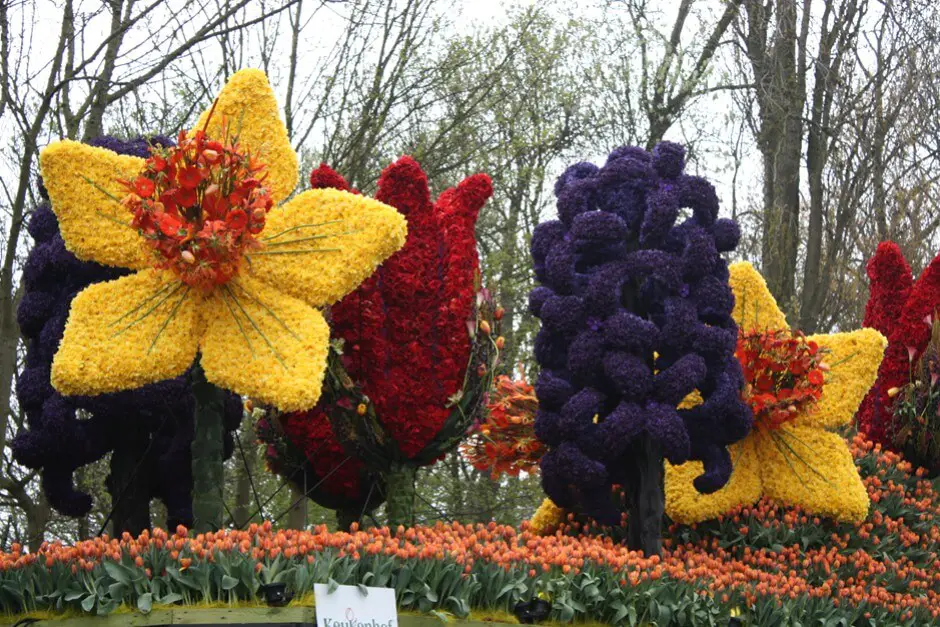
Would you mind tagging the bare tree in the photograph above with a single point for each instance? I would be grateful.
(64, 86)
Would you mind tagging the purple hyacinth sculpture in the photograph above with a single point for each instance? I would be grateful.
(635, 309)
(148, 431)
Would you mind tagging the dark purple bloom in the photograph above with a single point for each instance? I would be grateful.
(727, 234)
(576, 172)
(629, 374)
(621, 280)
(669, 159)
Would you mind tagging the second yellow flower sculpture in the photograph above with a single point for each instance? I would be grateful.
(259, 332)
(799, 462)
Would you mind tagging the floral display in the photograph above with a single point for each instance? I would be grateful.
(308, 454)
(791, 455)
(213, 275)
(636, 314)
(504, 442)
(407, 335)
(784, 375)
(904, 311)
(58, 440)
(915, 428)
(764, 564)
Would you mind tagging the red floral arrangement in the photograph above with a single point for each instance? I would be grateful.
(324, 453)
(404, 339)
(505, 442)
(784, 373)
(199, 205)
(903, 310)
(405, 330)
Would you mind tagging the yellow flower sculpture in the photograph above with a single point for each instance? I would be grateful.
(221, 271)
(793, 459)
(546, 518)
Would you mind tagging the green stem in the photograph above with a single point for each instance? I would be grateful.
(206, 449)
(400, 501)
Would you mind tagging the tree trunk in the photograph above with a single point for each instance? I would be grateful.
(297, 515)
(243, 493)
(37, 518)
(645, 489)
(208, 471)
(400, 499)
(127, 483)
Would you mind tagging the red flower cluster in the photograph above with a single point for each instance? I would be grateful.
(311, 433)
(903, 311)
(783, 372)
(407, 342)
(199, 205)
(506, 442)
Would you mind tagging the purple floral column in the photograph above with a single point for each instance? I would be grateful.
(636, 314)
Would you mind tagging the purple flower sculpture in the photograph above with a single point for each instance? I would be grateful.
(635, 309)
(150, 428)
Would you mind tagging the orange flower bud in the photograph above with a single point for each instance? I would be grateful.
(500, 342)
(361, 409)
(485, 327)
(498, 314)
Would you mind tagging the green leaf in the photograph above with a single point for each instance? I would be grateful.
(621, 613)
(106, 608)
(364, 591)
(404, 576)
(74, 595)
(145, 602)
(88, 603)
(117, 572)
(228, 582)
(171, 598)
(332, 585)
(116, 591)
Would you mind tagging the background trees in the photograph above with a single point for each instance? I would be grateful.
(817, 119)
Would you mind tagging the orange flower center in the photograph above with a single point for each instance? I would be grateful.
(784, 375)
(199, 206)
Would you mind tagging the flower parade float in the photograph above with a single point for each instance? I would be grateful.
(900, 411)
(226, 276)
(800, 389)
(636, 314)
(148, 431)
(414, 355)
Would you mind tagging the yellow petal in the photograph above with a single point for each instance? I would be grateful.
(95, 227)
(248, 104)
(126, 333)
(351, 235)
(812, 468)
(754, 306)
(854, 359)
(262, 343)
(546, 518)
(685, 504)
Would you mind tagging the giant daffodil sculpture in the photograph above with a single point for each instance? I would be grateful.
(221, 271)
(800, 388)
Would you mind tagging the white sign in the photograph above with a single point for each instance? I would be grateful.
(355, 606)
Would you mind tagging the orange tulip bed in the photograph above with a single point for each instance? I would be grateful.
(769, 565)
